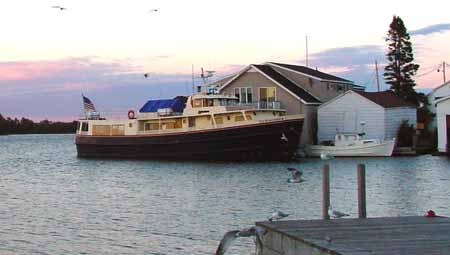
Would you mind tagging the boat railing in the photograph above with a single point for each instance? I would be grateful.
(260, 105)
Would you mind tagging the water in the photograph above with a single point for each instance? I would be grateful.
(51, 202)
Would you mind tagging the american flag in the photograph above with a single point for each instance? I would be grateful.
(88, 105)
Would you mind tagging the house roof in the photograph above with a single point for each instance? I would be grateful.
(386, 99)
(311, 72)
(288, 84)
(442, 100)
(440, 86)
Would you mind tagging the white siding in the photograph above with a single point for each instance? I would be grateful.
(395, 116)
(345, 114)
(442, 110)
(440, 92)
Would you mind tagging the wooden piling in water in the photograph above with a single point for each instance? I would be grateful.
(325, 191)
(361, 173)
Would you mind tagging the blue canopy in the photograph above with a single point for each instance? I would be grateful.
(177, 104)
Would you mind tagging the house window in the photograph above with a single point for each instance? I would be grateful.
(245, 95)
(267, 94)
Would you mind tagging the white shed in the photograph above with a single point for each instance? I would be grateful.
(438, 93)
(378, 114)
(443, 123)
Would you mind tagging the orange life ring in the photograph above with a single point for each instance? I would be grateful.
(131, 114)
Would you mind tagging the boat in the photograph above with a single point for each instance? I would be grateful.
(201, 126)
(352, 145)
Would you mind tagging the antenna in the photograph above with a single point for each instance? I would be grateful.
(306, 39)
(193, 83)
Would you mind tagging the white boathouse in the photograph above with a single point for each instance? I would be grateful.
(438, 93)
(377, 114)
(443, 123)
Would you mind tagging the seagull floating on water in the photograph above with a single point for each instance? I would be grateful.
(336, 214)
(230, 236)
(296, 175)
(278, 215)
(59, 7)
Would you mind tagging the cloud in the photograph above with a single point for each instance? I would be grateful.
(53, 88)
(438, 28)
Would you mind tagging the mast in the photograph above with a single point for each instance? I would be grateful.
(193, 83)
(376, 73)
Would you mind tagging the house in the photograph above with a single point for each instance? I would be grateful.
(297, 89)
(377, 114)
(443, 123)
(435, 95)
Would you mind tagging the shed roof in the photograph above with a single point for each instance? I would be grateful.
(386, 99)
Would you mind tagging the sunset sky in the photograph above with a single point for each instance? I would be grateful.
(102, 48)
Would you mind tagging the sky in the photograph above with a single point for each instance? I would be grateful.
(101, 49)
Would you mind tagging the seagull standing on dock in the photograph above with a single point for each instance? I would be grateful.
(296, 175)
(336, 214)
(230, 236)
(278, 215)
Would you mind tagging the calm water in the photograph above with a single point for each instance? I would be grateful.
(51, 202)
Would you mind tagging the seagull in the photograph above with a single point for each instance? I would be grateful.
(336, 214)
(146, 75)
(59, 7)
(153, 10)
(278, 215)
(229, 237)
(326, 156)
(296, 175)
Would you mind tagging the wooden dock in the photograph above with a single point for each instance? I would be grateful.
(415, 235)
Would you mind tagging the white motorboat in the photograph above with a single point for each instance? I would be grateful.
(352, 145)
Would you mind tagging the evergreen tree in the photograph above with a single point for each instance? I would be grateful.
(401, 68)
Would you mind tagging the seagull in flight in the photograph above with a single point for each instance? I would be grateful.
(153, 10)
(278, 215)
(230, 236)
(59, 7)
(296, 175)
(336, 214)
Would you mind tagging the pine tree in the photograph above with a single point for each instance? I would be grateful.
(398, 73)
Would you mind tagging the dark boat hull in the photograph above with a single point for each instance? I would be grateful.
(276, 140)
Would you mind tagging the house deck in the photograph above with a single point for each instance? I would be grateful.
(376, 236)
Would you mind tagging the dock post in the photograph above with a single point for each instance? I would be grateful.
(325, 191)
(362, 214)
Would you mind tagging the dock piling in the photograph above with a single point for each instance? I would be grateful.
(325, 191)
(361, 173)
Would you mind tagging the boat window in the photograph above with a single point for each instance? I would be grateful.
(118, 130)
(130, 125)
(228, 117)
(78, 125)
(364, 142)
(101, 130)
(191, 121)
(148, 126)
(239, 118)
(219, 120)
(84, 127)
(249, 116)
(197, 103)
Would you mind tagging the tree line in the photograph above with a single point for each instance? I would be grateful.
(9, 126)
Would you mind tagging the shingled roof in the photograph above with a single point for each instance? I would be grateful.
(311, 72)
(387, 99)
(288, 84)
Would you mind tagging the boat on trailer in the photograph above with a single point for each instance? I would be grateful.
(201, 126)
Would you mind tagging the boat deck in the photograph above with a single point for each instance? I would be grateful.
(412, 235)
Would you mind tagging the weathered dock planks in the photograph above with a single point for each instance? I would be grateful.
(411, 235)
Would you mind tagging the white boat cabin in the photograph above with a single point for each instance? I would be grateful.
(199, 111)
